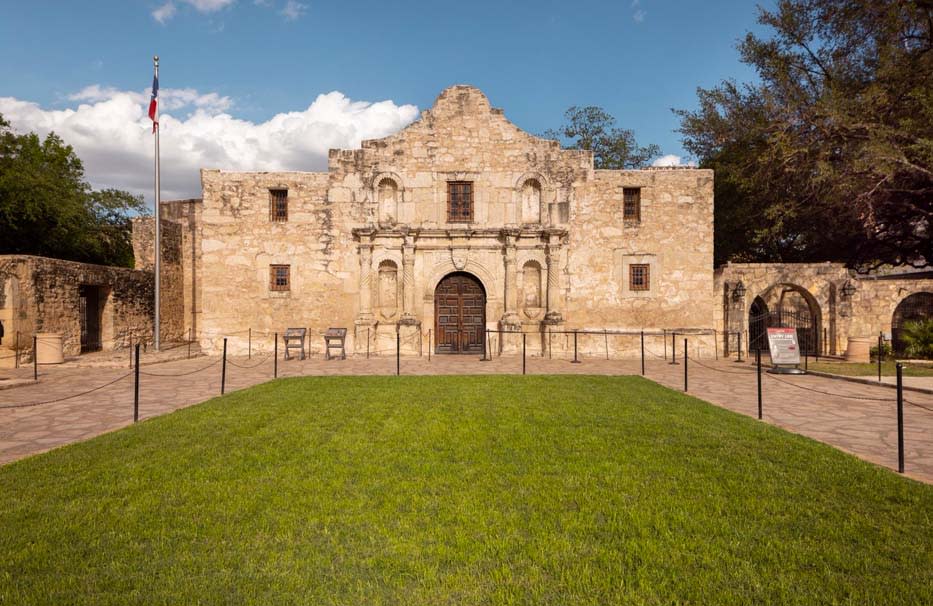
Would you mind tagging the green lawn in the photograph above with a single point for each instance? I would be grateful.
(855, 369)
(460, 490)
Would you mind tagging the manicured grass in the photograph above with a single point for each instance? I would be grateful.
(460, 490)
(855, 369)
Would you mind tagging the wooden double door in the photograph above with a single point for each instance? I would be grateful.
(459, 314)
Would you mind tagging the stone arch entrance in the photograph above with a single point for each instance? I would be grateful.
(459, 314)
(788, 306)
(915, 307)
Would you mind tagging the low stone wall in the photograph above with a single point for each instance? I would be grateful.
(42, 295)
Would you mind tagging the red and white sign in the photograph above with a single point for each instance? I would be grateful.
(783, 346)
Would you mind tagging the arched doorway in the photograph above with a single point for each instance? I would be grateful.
(459, 314)
(918, 306)
(785, 306)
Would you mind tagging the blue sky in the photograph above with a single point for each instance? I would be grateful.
(245, 62)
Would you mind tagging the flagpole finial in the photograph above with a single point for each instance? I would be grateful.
(155, 58)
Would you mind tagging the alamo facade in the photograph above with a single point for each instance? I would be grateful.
(459, 223)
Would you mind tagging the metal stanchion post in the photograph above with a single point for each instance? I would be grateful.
(716, 343)
(429, 343)
(35, 358)
(223, 369)
(606, 337)
(16, 351)
(758, 364)
(880, 354)
(523, 353)
(275, 356)
(575, 360)
(190, 339)
(398, 354)
(674, 348)
(685, 365)
(136, 389)
(249, 347)
(900, 418)
(367, 343)
(642, 353)
(738, 336)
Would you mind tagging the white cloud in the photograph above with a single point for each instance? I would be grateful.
(293, 10)
(672, 160)
(111, 133)
(168, 10)
(164, 12)
(638, 13)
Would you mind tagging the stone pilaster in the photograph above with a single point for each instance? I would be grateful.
(408, 284)
(553, 315)
(510, 319)
(365, 321)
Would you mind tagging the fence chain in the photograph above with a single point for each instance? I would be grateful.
(62, 399)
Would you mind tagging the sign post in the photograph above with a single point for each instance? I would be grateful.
(785, 351)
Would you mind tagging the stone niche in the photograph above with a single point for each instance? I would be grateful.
(531, 291)
(387, 291)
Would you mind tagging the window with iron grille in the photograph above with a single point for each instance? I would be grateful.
(631, 203)
(639, 276)
(279, 277)
(459, 201)
(278, 205)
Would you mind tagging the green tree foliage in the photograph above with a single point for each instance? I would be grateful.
(48, 209)
(918, 335)
(593, 129)
(829, 156)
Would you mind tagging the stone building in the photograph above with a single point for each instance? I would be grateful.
(459, 223)
(463, 223)
(93, 307)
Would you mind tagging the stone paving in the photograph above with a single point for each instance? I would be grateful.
(864, 427)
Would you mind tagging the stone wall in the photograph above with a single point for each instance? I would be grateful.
(42, 295)
(820, 288)
(180, 264)
(368, 242)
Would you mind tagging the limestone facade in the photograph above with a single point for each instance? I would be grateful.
(39, 295)
(552, 243)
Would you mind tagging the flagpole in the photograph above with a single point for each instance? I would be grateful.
(158, 221)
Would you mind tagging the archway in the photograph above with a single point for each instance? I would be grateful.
(915, 307)
(459, 314)
(785, 305)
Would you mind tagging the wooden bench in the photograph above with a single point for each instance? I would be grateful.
(335, 338)
(295, 339)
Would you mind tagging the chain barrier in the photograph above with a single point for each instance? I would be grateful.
(182, 374)
(62, 399)
(248, 366)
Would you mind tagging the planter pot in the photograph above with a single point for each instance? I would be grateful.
(49, 348)
(859, 349)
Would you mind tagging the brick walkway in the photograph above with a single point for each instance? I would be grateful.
(866, 428)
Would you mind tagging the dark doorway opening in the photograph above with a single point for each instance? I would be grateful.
(459, 314)
(89, 310)
(914, 308)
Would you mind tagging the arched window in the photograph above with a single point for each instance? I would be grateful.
(531, 201)
(387, 193)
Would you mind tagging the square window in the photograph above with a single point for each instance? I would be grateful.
(278, 205)
(279, 277)
(459, 201)
(631, 204)
(639, 276)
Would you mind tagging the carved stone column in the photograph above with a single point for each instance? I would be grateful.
(365, 321)
(408, 284)
(552, 253)
(510, 319)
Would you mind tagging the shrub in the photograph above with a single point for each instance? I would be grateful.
(918, 335)
(887, 352)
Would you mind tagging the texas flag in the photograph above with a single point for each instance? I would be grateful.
(154, 103)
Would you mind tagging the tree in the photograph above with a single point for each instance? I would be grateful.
(593, 129)
(48, 209)
(830, 155)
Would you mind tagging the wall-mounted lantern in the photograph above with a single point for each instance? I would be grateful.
(848, 289)
(738, 291)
